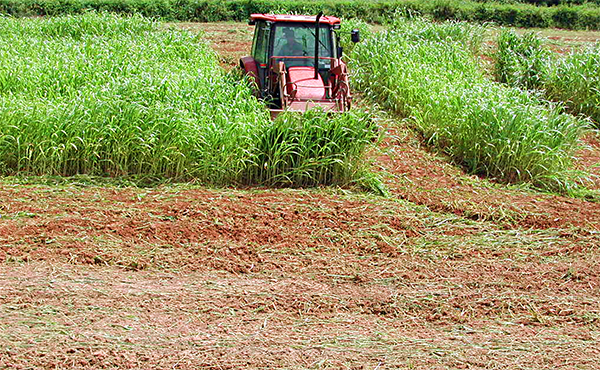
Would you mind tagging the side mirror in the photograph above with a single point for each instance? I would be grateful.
(355, 36)
(340, 51)
(251, 22)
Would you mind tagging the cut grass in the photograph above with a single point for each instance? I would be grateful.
(440, 300)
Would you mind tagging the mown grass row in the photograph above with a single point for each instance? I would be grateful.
(103, 95)
(509, 13)
(573, 78)
(427, 73)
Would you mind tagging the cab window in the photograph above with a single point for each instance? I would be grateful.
(299, 40)
(261, 42)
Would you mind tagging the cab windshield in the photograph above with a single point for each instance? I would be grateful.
(298, 40)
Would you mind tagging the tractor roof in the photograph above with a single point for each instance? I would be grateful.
(294, 18)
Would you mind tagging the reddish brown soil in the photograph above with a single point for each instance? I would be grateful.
(59, 316)
(451, 271)
(283, 279)
(424, 178)
(230, 40)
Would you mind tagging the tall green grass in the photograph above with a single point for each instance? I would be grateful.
(575, 80)
(468, 35)
(521, 61)
(102, 95)
(312, 149)
(489, 128)
(572, 79)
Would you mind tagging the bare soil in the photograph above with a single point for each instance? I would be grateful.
(191, 278)
(425, 178)
(450, 272)
(230, 40)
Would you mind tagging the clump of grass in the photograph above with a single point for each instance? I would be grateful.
(489, 128)
(522, 61)
(572, 79)
(575, 80)
(311, 149)
(101, 95)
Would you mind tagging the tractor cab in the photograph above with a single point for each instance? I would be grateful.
(296, 62)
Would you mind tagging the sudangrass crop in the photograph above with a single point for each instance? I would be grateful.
(102, 95)
(490, 128)
(468, 35)
(575, 80)
(313, 149)
(572, 78)
(521, 60)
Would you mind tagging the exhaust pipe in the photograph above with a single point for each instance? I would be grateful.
(317, 46)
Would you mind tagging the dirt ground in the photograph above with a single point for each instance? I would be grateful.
(450, 272)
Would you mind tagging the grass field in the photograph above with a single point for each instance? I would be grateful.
(427, 72)
(449, 271)
(102, 95)
(571, 78)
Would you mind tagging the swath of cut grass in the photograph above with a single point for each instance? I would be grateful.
(102, 95)
(488, 127)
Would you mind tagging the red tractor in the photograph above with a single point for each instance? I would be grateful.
(296, 63)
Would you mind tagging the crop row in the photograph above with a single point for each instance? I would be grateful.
(572, 78)
(102, 95)
(427, 73)
(586, 16)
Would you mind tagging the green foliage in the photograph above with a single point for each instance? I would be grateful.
(507, 13)
(521, 60)
(575, 80)
(488, 127)
(546, 2)
(311, 148)
(467, 34)
(572, 79)
(102, 95)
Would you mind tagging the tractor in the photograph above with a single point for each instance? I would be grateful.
(296, 63)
